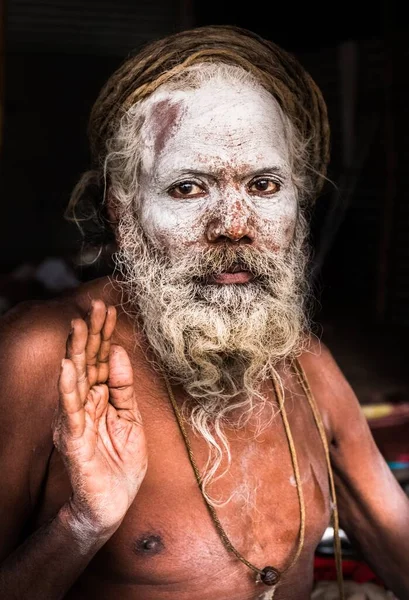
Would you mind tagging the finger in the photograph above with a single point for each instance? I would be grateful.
(120, 382)
(106, 335)
(76, 344)
(70, 406)
(97, 401)
(96, 320)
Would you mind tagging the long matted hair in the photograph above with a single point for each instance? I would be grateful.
(141, 74)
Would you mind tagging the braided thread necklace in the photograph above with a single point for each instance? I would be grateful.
(270, 575)
(302, 378)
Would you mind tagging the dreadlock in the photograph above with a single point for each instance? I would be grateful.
(165, 59)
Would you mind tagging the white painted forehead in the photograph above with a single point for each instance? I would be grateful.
(213, 95)
(216, 109)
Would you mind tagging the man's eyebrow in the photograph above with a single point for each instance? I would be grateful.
(181, 173)
(276, 169)
(195, 173)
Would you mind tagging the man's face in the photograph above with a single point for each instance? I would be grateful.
(216, 168)
(214, 259)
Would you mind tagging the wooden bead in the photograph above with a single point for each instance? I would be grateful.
(269, 576)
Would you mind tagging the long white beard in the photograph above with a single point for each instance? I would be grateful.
(219, 341)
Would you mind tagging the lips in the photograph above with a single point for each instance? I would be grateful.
(236, 273)
(229, 277)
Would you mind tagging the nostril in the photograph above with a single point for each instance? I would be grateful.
(222, 239)
(213, 232)
(225, 239)
(245, 240)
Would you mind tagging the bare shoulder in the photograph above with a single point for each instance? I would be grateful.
(336, 400)
(31, 334)
(32, 345)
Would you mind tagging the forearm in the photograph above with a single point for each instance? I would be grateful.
(382, 536)
(59, 550)
(388, 555)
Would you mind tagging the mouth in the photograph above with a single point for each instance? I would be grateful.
(236, 274)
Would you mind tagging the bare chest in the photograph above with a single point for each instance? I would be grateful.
(168, 545)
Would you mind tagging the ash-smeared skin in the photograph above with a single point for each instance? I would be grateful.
(220, 136)
(165, 116)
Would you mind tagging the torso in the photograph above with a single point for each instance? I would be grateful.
(167, 546)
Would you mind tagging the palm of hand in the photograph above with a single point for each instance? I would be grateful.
(98, 428)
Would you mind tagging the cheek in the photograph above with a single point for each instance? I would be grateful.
(171, 227)
(287, 227)
(277, 225)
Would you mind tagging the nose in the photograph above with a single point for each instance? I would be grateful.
(233, 224)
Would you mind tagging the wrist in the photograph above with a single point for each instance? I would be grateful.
(87, 533)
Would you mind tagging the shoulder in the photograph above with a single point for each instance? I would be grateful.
(320, 366)
(335, 398)
(36, 325)
(32, 331)
(32, 341)
(32, 345)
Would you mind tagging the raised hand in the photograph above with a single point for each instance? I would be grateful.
(98, 428)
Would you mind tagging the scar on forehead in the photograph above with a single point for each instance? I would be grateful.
(165, 116)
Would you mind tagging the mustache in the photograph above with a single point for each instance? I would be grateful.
(214, 261)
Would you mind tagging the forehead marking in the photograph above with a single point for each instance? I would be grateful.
(166, 115)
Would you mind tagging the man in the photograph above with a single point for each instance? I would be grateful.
(174, 446)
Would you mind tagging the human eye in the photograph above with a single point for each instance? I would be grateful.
(264, 186)
(186, 189)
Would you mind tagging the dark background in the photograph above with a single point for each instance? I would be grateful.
(59, 53)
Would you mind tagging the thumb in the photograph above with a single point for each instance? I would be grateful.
(120, 379)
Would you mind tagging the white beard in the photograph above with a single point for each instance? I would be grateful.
(219, 341)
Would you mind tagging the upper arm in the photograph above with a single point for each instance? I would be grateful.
(363, 477)
(30, 354)
(374, 511)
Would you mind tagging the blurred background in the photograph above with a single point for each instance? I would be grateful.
(56, 55)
